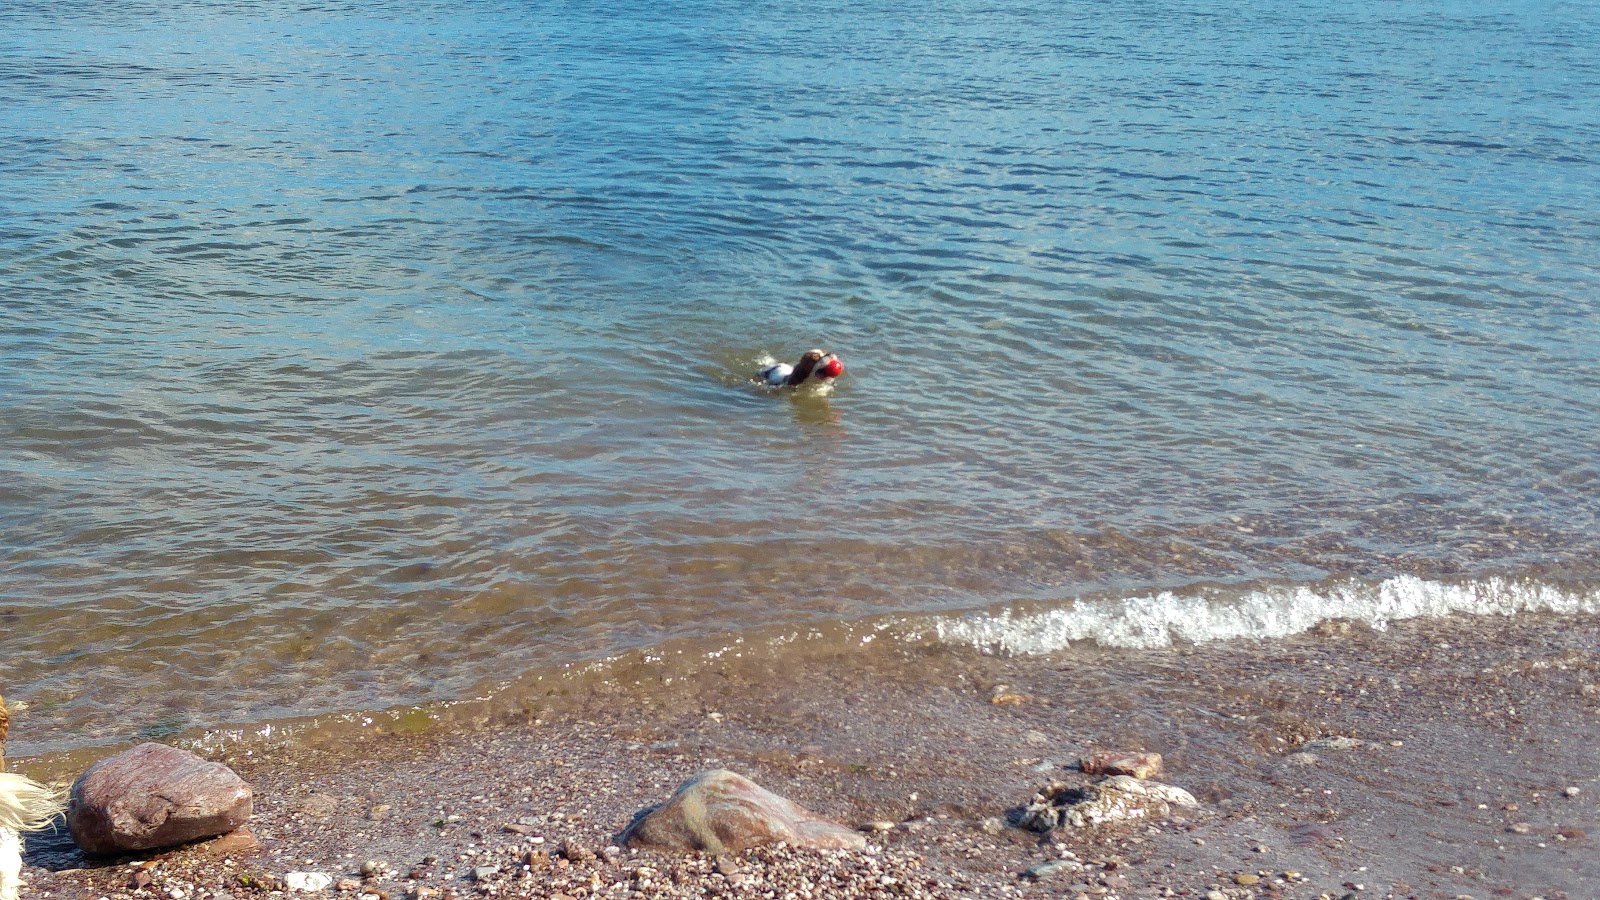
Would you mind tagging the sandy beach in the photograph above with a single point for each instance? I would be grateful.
(1469, 771)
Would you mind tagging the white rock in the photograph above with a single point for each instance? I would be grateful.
(310, 882)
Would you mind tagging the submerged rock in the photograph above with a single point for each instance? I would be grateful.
(154, 796)
(721, 811)
(1121, 762)
(1115, 799)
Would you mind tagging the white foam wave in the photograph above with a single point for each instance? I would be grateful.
(1163, 619)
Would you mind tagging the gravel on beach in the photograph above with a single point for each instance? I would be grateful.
(1437, 759)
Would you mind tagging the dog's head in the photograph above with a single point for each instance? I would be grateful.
(817, 367)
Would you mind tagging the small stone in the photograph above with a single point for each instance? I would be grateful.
(379, 813)
(347, 885)
(1302, 759)
(1036, 738)
(726, 867)
(1122, 762)
(423, 893)
(576, 852)
(235, 843)
(373, 867)
(1003, 695)
(1519, 828)
(1216, 895)
(518, 828)
(1573, 791)
(1247, 878)
(484, 873)
(536, 859)
(1050, 869)
(1337, 742)
(880, 825)
(309, 882)
(993, 826)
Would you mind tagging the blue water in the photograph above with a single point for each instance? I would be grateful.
(356, 353)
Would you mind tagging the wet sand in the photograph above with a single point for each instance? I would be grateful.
(1471, 733)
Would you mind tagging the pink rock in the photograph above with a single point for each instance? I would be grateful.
(154, 796)
(1121, 762)
(721, 812)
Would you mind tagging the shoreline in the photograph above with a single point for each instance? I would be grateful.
(1470, 732)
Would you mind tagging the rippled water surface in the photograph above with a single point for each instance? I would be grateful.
(356, 353)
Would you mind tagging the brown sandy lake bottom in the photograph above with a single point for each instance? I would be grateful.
(1472, 769)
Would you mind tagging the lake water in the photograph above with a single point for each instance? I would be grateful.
(362, 354)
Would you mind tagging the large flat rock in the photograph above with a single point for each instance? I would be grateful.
(154, 796)
(723, 812)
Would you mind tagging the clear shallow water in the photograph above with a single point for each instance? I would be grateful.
(353, 354)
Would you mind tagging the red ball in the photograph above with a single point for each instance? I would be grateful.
(832, 368)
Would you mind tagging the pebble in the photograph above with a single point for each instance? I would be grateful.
(310, 882)
(1519, 828)
(1573, 792)
(1216, 895)
(1338, 742)
(1050, 869)
(994, 826)
(1247, 878)
(484, 873)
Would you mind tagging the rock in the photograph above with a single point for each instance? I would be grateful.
(154, 796)
(720, 811)
(1333, 743)
(373, 867)
(484, 873)
(1216, 895)
(576, 852)
(1036, 738)
(1302, 759)
(234, 843)
(1573, 791)
(1519, 828)
(347, 885)
(1003, 695)
(1051, 869)
(1121, 762)
(309, 882)
(993, 826)
(1114, 799)
(1247, 878)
